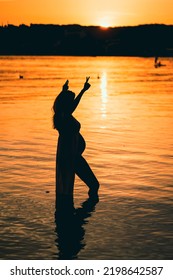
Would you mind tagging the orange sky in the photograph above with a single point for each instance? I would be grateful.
(86, 12)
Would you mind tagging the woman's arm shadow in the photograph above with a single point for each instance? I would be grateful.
(70, 225)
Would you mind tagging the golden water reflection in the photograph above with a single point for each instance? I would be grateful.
(132, 156)
(103, 88)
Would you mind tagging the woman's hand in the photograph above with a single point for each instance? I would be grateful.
(86, 85)
(78, 98)
(65, 86)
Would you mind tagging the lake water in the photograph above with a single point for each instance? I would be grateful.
(127, 122)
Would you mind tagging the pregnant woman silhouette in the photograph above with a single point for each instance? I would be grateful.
(71, 144)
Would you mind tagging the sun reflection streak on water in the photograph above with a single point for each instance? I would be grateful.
(103, 87)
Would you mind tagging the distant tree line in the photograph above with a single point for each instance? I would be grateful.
(41, 39)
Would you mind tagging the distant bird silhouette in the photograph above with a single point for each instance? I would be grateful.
(21, 76)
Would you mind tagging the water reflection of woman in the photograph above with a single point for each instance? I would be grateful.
(70, 226)
(71, 144)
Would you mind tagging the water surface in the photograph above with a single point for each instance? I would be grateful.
(126, 119)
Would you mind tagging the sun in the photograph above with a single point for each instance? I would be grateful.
(104, 23)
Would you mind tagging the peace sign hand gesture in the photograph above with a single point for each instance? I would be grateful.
(86, 85)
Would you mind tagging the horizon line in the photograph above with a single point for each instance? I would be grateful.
(77, 24)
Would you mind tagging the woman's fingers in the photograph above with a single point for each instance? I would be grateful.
(65, 86)
(87, 79)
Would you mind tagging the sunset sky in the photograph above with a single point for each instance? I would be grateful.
(86, 12)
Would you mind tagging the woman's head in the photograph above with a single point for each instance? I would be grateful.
(63, 102)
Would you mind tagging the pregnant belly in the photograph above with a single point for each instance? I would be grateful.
(81, 144)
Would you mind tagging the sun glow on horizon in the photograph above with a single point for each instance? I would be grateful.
(103, 13)
(104, 25)
(105, 22)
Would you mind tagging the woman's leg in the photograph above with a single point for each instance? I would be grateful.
(84, 172)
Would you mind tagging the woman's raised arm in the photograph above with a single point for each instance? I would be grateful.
(78, 97)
